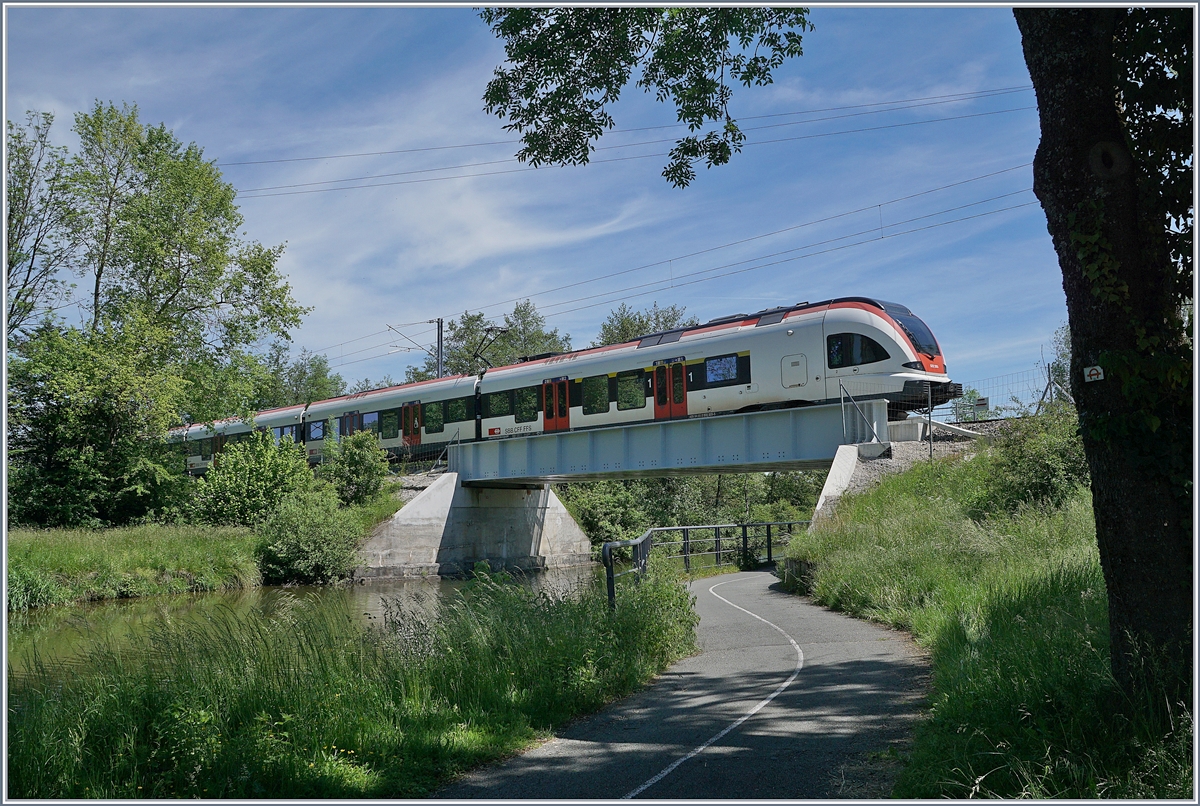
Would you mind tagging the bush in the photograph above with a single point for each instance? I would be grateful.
(356, 466)
(248, 479)
(1035, 460)
(308, 538)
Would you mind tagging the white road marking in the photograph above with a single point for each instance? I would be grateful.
(799, 665)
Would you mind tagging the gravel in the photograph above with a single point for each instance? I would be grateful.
(904, 455)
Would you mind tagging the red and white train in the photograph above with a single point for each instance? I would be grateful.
(804, 354)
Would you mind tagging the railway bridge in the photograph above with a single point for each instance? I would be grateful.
(495, 502)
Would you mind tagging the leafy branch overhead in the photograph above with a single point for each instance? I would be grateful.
(566, 68)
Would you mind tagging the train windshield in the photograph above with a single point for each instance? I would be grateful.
(916, 330)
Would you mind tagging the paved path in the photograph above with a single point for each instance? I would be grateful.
(794, 710)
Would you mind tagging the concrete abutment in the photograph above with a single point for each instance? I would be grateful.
(448, 528)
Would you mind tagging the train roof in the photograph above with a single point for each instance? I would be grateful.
(764, 317)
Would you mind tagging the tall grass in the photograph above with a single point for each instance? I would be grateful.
(307, 702)
(1012, 608)
(65, 566)
(59, 566)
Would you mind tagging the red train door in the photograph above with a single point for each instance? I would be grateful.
(662, 393)
(410, 423)
(670, 391)
(678, 391)
(556, 409)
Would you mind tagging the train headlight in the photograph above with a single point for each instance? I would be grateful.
(913, 365)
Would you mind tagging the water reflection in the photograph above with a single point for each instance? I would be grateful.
(61, 634)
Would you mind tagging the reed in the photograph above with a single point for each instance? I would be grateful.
(306, 701)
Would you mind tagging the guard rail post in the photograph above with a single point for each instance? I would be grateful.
(717, 545)
(769, 543)
(745, 547)
(687, 547)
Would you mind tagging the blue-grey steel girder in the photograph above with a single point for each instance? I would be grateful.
(786, 439)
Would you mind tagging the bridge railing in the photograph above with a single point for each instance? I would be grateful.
(720, 542)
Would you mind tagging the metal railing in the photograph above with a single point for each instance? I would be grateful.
(845, 394)
(757, 545)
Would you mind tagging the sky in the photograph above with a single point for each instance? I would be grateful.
(890, 160)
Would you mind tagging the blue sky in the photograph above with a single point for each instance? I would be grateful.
(255, 84)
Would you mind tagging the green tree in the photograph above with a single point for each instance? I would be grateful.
(366, 384)
(355, 465)
(156, 229)
(38, 213)
(88, 413)
(472, 342)
(566, 66)
(102, 177)
(283, 381)
(1114, 173)
(248, 479)
(625, 324)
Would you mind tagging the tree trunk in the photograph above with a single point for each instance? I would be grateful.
(1117, 275)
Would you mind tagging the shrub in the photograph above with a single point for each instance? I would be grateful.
(1036, 460)
(248, 479)
(356, 466)
(308, 538)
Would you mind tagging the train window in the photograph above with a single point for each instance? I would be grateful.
(279, 433)
(595, 395)
(389, 424)
(854, 349)
(631, 391)
(370, 422)
(918, 332)
(526, 408)
(316, 429)
(206, 449)
(497, 404)
(459, 410)
(720, 370)
(435, 420)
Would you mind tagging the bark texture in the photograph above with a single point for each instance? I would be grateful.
(1125, 317)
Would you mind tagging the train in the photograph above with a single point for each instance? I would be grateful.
(797, 355)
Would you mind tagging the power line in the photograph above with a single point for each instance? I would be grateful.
(872, 229)
(641, 156)
(697, 279)
(508, 160)
(699, 252)
(799, 257)
(957, 95)
(607, 148)
(741, 241)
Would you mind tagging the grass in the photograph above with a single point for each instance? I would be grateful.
(71, 566)
(308, 702)
(62, 566)
(1012, 608)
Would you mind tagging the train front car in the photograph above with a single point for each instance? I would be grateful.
(881, 350)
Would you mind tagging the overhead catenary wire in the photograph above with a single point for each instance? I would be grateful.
(669, 260)
(505, 160)
(971, 95)
(675, 280)
(620, 159)
(872, 231)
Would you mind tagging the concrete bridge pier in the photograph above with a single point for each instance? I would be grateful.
(448, 528)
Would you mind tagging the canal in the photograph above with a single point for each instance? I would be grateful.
(62, 635)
